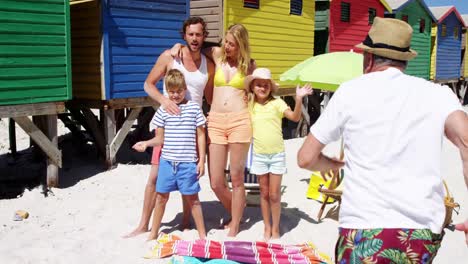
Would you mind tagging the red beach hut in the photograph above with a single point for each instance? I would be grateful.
(350, 20)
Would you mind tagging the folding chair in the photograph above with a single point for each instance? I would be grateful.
(333, 191)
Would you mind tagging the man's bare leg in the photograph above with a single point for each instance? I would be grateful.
(148, 203)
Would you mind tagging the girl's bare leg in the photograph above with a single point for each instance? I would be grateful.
(265, 204)
(275, 204)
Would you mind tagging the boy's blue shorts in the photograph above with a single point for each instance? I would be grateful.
(181, 176)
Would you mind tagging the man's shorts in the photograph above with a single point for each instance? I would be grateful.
(233, 127)
(268, 163)
(390, 245)
(156, 153)
(181, 176)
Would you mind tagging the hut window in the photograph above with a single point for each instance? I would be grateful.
(345, 12)
(405, 18)
(372, 15)
(296, 7)
(443, 32)
(455, 32)
(422, 25)
(252, 3)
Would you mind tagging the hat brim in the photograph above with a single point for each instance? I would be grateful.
(248, 80)
(388, 53)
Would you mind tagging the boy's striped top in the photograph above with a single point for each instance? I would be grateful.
(180, 132)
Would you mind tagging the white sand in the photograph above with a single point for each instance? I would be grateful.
(84, 222)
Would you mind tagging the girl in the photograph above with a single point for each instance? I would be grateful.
(269, 162)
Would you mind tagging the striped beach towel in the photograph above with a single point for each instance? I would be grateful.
(240, 251)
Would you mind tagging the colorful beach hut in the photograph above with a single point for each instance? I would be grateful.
(212, 13)
(446, 44)
(35, 75)
(341, 24)
(34, 52)
(464, 68)
(115, 43)
(130, 35)
(417, 14)
(281, 31)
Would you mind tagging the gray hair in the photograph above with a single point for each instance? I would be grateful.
(379, 60)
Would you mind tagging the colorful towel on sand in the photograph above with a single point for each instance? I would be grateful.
(241, 251)
(192, 260)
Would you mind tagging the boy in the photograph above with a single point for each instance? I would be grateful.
(179, 166)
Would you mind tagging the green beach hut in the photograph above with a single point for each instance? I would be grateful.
(420, 18)
(34, 51)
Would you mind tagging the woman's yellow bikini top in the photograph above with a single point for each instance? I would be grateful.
(237, 80)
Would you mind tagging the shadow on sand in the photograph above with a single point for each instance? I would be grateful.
(214, 219)
(27, 169)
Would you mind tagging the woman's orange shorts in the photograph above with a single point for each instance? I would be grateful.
(232, 127)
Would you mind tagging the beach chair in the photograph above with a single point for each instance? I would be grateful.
(252, 187)
(333, 191)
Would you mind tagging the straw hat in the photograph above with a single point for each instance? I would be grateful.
(260, 73)
(389, 38)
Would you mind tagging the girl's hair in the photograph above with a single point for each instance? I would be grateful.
(241, 36)
(174, 79)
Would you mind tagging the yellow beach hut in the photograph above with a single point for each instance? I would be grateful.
(281, 31)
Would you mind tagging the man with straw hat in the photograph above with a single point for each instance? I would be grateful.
(392, 126)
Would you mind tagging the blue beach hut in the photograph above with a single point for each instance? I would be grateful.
(115, 44)
(446, 44)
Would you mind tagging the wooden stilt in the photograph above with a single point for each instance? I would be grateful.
(116, 141)
(12, 136)
(110, 128)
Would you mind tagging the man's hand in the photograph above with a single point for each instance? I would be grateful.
(200, 169)
(140, 146)
(170, 107)
(463, 227)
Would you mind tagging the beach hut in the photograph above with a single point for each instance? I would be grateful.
(417, 14)
(281, 31)
(446, 44)
(115, 44)
(349, 22)
(35, 71)
(212, 12)
(464, 69)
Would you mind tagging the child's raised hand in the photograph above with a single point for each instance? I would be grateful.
(140, 146)
(304, 90)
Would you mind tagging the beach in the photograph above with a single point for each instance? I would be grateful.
(84, 220)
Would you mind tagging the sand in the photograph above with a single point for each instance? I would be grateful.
(84, 219)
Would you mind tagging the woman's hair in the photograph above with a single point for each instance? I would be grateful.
(174, 79)
(241, 36)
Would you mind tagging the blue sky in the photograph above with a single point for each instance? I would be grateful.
(462, 5)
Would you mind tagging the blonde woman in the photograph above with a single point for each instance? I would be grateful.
(229, 125)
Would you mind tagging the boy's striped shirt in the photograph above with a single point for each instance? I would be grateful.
(180, 132)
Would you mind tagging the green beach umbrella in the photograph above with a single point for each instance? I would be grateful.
(326, 71)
